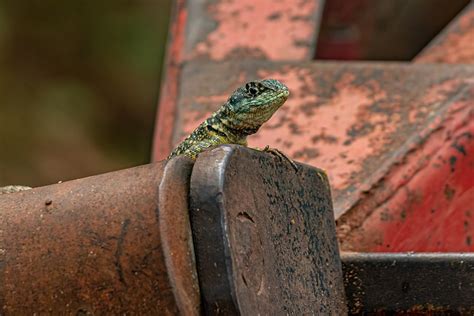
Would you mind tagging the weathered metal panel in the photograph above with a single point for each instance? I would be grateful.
(117, 243)
(166, 111)
(455, 44)
(264, 236)
(409, 284)
(265, 29)
(430, 202)
(356, 121)
(216, 30)
(425, 203)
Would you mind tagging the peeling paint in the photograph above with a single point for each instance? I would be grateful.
(276, 30)
(440, 220)
(366, 110)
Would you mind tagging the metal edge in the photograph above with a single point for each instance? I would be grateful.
(212, 257)
(167, 105)
(176, 234)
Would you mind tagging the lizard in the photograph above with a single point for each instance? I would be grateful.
(241, 115)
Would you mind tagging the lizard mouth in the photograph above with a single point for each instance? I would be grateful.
(261, 114)
(283, 94)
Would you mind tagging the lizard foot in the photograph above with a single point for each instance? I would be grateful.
(280, 155)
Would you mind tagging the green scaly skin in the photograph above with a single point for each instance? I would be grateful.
(242, 115)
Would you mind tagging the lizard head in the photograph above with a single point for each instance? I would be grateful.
(254, 103)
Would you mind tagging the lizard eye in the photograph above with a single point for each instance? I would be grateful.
(254, 88)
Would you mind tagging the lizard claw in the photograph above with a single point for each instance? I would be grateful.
(280, 155)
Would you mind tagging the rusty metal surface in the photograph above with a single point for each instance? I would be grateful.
(216, 30)
(408, 283)
(355, 120)
(426, 203)
(100, 245)
(166, 111)
(175, 234)
(264, 236)
(455, 43)
(265, 29)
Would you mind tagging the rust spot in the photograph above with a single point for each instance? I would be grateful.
(460, 148)
(452, 162)
(274, 16)
(119, 250)
(306, 153)
(324, 138)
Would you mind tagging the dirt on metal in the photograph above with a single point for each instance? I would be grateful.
(264, 236)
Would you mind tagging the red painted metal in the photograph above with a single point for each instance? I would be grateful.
(231, 30)
(274, 30)
(455, 44)
(426, 203)
(432, 207)
(169, 89)
(373, 127)
(356, 121)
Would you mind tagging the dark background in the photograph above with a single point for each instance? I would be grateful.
(79, 82)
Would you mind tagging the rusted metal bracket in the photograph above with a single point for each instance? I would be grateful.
(417, 283)
(109, 244)
(264, 236)
(121, 242)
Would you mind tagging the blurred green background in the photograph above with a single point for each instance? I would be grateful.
(79, 84)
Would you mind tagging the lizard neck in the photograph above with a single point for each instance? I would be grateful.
(232, 125)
